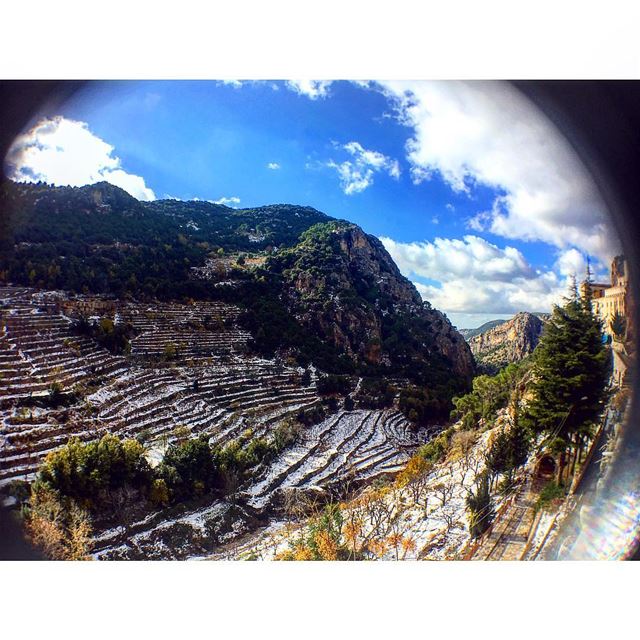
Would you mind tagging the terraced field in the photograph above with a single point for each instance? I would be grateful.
(209, 386)
(359, 445)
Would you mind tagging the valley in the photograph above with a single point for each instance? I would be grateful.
(183, 380)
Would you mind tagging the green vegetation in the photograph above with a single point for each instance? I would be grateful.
(436, 449)
(99, 239)
(375, 393)
(570, 373)
(91, 472)
(480, 508)
(550, 493)
(489, 394)
(113, 337)
(508, 451)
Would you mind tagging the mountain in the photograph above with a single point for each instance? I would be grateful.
(343, 286)
(311, 287)
(508, 341)
(467, 334)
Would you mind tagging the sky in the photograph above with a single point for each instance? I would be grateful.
(476, 196)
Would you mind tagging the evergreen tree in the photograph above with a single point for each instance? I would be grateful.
(571, 369)
(480, 507)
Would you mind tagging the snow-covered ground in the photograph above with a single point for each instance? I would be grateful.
(424, 520)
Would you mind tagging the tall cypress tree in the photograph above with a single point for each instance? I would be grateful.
(571, 370)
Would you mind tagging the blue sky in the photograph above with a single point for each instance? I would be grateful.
(475, 195)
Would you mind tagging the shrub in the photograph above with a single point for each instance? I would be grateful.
(285, 434)
(436, 450)
(159, 493)
(188, 468)
(88, 471)
(330, 384)
(550, 493)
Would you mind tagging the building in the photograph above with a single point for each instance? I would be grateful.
(609, 300)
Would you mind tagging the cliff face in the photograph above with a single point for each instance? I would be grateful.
(508, 342)
(344, 287)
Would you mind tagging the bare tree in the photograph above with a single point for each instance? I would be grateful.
(444, 491)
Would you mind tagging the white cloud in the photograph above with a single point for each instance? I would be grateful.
(236, 84)
(487, 133)
(357, 174)
(65, 152)
(474, 276)
(572, 262)
(311, 88)
(226, 201)
(273, 165)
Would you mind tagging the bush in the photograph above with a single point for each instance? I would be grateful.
(550, 493)
(159, 493)
(285, 435)
(436, 450)
(330, 384)
(188, 468)
(88, 471)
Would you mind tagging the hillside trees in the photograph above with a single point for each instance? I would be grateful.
(489, 394)
(90, 472)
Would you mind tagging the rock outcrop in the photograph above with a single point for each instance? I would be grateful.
(346, 289)
(508, 342)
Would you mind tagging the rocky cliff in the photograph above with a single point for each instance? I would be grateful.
(345, 288)
(508, 342)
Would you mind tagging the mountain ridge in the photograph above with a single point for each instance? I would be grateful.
(316, 288)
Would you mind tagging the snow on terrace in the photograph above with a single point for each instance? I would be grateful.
(349, 443)
(433, 516)
(323, 456)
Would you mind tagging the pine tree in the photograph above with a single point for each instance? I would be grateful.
(571, 369)
(480, 507)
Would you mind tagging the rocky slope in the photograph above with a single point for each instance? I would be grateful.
(344, 287)
(508, 342)
(467, 334)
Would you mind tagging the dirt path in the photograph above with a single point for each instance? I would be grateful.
(510, 532)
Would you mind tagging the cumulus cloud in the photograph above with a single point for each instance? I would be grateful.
(357, 174)
(65, 152)
(474, 276)
(571, 262)
(487, 133)
(229, 202)
(313, 89)
(273, 165)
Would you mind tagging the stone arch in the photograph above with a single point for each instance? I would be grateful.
(546, 467)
